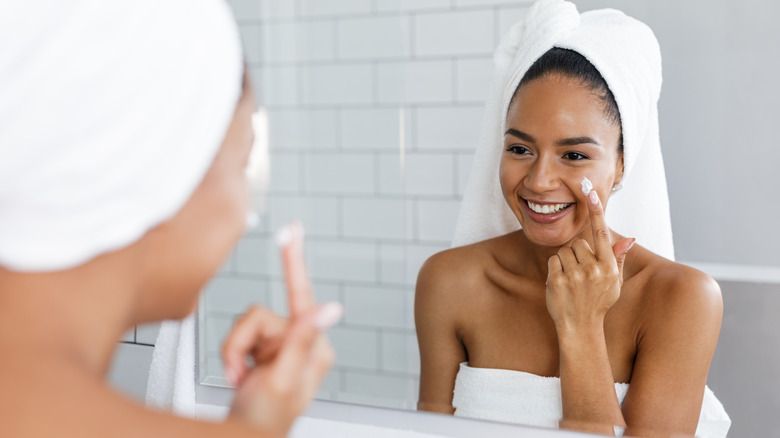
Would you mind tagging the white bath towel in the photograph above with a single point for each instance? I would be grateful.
(171, 384)
(111, 113)
(524, 398)
(627, 55)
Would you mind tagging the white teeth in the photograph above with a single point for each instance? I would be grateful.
(547, 209)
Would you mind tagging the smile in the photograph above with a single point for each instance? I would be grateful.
(547, 208)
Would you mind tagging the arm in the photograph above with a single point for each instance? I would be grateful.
(677, 338)
(675, 348)
(582, 285)
(441, 351)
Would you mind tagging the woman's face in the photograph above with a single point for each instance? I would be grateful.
(189, 248)
(557, 133)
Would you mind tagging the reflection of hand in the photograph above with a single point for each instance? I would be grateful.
(291, 357)
(582, 284)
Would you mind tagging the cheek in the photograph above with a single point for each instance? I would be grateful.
(510, 175)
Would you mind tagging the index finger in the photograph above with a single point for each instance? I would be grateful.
(299, 293)
(602, 238)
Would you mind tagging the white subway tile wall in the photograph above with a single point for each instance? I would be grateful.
(375, 109)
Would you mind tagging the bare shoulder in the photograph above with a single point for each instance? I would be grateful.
(455, 269)
(676, 292)
(448, 280)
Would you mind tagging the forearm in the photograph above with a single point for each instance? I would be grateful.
(587, 385)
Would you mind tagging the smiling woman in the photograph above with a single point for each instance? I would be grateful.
(565, 322)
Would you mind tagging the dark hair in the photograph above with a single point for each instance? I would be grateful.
(570, 63)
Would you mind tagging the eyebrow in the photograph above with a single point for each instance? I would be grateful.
(564, 142)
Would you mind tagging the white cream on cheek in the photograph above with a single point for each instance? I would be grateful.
(587, 186)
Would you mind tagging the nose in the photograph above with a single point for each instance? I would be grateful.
(542, 176)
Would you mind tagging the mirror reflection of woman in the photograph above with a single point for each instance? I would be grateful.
(627, 334)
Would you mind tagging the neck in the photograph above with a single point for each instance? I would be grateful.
(80, 313)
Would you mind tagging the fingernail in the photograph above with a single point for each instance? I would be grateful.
(328, 315)
(593, 197)
(283, 236)
(631, 245)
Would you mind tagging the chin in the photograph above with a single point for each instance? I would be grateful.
(550, 240)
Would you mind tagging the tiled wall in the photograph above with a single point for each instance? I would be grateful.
(374, 108)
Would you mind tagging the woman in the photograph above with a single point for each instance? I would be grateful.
(626, 334)
(125, 131)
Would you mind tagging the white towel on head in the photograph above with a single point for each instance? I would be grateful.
(626, 53)
(111, 113)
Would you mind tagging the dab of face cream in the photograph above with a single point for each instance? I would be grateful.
(587, 186)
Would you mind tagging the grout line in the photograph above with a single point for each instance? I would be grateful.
(301, 175)
(412, 34)
(455, 94)
(367, 60)
(375, 79)
(456, 173)
(379, 347)
(415, 219)
(477, 104)
(378, 255)
(377, 162)
(340, 217)
(339, 116)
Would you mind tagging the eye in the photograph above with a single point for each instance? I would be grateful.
(574, 156)
(518, 150)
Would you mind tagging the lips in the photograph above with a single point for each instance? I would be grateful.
(546, 213)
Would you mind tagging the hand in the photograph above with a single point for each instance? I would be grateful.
(583, 284)
(291, 357)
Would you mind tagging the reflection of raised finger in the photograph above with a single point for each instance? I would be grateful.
(602, 238)
(582, 251)
(300, 296)
(568, 260)
(322, 358)
(257, 328)
(295, 352)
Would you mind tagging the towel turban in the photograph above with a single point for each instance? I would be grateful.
(111, 113)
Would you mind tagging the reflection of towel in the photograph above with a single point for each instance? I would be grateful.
(627, 55)
(111, 113)
(171, 383)
(524, 398)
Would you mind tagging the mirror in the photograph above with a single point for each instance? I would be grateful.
(374, 111)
